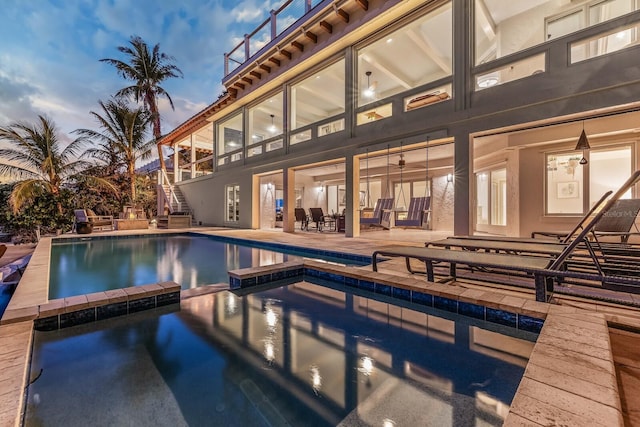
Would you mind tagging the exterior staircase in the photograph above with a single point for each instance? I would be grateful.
(177, 203)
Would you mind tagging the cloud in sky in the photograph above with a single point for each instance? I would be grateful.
(50, 52)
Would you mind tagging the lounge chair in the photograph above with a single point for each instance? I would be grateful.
(418, 213)
(381, 214)
(543, 269)
(301, 216)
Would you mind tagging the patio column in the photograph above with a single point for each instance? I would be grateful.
(289, 190)
(352, 185)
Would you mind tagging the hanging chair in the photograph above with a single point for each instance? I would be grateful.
(418, 214)
(383, 208)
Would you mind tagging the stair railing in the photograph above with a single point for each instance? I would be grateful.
(171, 197)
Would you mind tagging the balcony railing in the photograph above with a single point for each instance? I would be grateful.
(278, 21)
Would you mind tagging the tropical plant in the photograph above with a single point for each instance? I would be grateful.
(122, 140)
(147, 70)
(37, 159)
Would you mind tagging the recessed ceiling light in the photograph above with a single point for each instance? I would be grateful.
(389, 40)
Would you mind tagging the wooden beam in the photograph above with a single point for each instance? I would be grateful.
(256, 74)
(233, 91)
(240, 85)
(363, 4)
(247, 79)
(265, 68)
(311, 36)
(298, 46)
(342, 14)
(326, 26)
(286, 53)
(275, 61)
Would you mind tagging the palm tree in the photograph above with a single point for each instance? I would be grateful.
(146, 69)
(38, 160)
(123, 138)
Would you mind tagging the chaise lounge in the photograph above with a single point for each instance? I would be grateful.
(543, 269)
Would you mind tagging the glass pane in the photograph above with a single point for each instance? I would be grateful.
(564, 25)
(604, 44)
(499, 197)
(265, 119)
(230, 134)
(564, 184)
(385, 69)
(502, 30)
(608, 170)
(420, 189)
(318, 97)
(609, 9)
(482, 198)
(512, 71)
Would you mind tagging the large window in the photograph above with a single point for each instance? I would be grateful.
(232, 204)
(501, 30)
(230, 139)
(319, 97)
(412, 56)
(573, 188)
(265, 126)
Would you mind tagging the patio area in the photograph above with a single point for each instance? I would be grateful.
(590, 344)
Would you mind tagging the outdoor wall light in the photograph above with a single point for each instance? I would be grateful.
(269, 186)
(449, 177)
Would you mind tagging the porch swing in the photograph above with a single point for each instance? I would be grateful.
(419, 207)
(382, 211)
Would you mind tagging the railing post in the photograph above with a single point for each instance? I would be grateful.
(274, 26)
(226, 64)
(247, 50)
(307, 6)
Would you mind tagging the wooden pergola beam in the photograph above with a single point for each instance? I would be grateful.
(326, 26)
(342, 14)
(363, 4)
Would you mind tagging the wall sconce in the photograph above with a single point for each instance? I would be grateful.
(583, 144)
(268, 186)
(449, 177)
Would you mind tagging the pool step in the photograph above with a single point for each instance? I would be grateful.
(76, 310)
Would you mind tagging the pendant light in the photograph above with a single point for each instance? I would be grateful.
(583, 144)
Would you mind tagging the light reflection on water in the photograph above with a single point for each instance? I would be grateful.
(303, 354)
(104, 264)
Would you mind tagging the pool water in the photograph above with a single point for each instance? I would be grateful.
(102, 264)
(297, 355)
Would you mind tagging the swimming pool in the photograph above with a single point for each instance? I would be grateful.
(82, 266)
(302, 354)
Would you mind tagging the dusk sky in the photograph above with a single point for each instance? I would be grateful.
(50, 53)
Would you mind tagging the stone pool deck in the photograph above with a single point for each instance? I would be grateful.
(572, 377)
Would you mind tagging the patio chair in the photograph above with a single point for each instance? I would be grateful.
(381, 214)
(544, 270)
(87, 221)
(417, 214)
(319, 218)
(301, 216)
